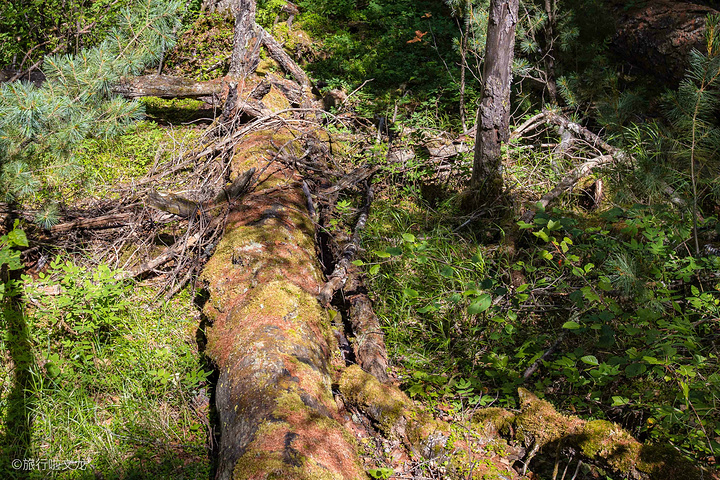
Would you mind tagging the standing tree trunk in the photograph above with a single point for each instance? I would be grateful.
(248, 37)
(549, 32)
(494, 113)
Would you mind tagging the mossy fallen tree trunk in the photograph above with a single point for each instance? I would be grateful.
(539, 425)
(270, 338)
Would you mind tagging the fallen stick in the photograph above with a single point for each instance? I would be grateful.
(106, 221)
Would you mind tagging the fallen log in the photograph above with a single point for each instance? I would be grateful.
(270, 339)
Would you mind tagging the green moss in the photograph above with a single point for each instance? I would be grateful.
(387, 404)
(276, 101)
(539, 423)
(493, 420)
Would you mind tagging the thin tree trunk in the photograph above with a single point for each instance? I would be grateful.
(494, 113)
(463, 64)
(549, 32)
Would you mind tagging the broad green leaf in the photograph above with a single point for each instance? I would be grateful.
(447, 271)
(394, 251)
(17, 237)
(374, 269)
(590, 360)
(635, 369)
(571, 325)
(653, 361)
(382, 254)
(480, 305)
(358, 263)
(410, 293)
(524, 225)
(542, 235)
(408, 237)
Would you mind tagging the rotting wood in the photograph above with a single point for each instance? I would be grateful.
(270, 339)
(340, 273)
(369, 339)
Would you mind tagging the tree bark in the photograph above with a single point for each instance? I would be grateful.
(248, 37)
(549, 59)
(494, 113)
(166, 86)
(656, 36)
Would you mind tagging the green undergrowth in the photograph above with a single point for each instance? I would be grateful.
(468, 310)
(98, 376)
(107, 163)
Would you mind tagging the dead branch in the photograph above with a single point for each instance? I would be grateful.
(536, 364)
(166, 86)
(276, 51)
(105, 221)
(358, 175)
(569, 182)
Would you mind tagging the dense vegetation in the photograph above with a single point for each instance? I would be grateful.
(609, 309)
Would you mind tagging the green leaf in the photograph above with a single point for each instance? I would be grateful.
(410, 293)
(653, 361)
(619, 401)
(542, 235)
(431, 307)
(590, 295)
(480, 305)
(590, 360)
(408, 237)
(394, 251)
(524, 225)
(358, 263)
(17, 237)
(522, 288)
(635, 369)
(382, 254)
(447, 271)
(571, 325)
(374, 269)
